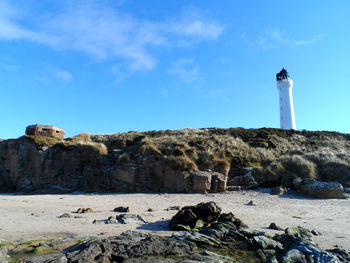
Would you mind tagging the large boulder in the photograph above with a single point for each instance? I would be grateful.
(189, 216)
(243, 178)
(218, 182)
(201, 181)
(322, 189)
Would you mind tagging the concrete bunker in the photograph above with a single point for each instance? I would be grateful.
(45, 130)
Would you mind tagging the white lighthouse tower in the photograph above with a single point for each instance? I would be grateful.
(285, 85)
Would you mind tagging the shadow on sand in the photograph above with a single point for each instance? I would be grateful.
(161, 225)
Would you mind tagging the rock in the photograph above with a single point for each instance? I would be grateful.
(315, 233)
(218, 182)
(173, 208)
(322, 189)
(127, 218)
(274, 227)
(297, 182)
(185, 217)
(25, 185)
(264, 242)
(150, 210)
(342, 254)
(122, 209)
(294, 256)
(65, 215)
(279, 190)
(316, 254)
(111, 220)
(246, 181)
(300, 232)
(188, 215)
(233, 188)
(3, 254)
(196, 237)
(229, 218)
(201, 181)
(251, 203)
(84, 210)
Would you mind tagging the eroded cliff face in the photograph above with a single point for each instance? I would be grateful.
(171, 161)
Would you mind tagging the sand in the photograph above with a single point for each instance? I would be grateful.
(29, 217)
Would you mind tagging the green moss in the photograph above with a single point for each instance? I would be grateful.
(6, 243)
(14, 260)
(81, 240)
(44, 249)
(29, 242)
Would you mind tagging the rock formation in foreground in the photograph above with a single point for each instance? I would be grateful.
(189, 160)
(208, 236)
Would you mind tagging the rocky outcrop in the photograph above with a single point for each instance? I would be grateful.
(190, 160)
(220, 238)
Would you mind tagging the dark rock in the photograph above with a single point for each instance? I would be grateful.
(251, 203)
(315, 233)
(65, 215)
(229, 218)
(173, 208)
(185, 217)
(274, 227)
(121, 209)
(342, 254)
(233, 188)
(90, 251)
(300, 232)
(127, 218)
(150, 210)
(294, 256)
(315, 253)
(111, 220)
(198, 238)
(279, 190)
(264, 242)
(188, 215)
(84, 210)
(245, 181)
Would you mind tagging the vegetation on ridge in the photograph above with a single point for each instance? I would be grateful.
(278, 155)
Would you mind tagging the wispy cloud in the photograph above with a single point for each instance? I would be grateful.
(108, 34)
(274, 38)
(185, 69)
(193, 24)
(62, 75)
(9, 67)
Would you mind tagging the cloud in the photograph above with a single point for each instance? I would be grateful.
(62, 75)
(194, 25)
(9, 67)
(185, 69)
(108, 34)
(10, 29)
(274, 38)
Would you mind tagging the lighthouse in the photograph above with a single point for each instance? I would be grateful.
(284, 86)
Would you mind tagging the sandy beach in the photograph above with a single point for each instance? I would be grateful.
(29, 217)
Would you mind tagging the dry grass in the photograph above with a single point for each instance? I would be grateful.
(278, 155)
(42, 141)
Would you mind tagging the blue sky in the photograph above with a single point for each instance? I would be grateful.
(115, 66)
